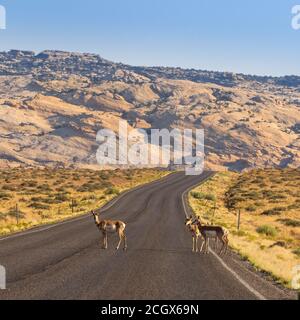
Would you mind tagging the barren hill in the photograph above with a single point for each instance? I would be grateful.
(53, 103)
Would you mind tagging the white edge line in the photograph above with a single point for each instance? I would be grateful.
(106, 206)
(243, 282)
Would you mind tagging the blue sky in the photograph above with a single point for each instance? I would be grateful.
(249, 36)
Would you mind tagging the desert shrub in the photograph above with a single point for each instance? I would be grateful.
(97, 186)
(5, 196)
(274, 211)
(198, 195)
(103, 175)
(278, 197)
(12, 213)
(279, 243)
(112, 190)
(36, 199)
(293, 206)
(106, 184)
(251, 208)
(29, 184)
(2, 216)
(280, 209)
(61, 197)
(203, 196)
(38, 205)
(61, 189)
(297, 252)
(210, 197)
(262, 185)
(44, 188)
(253, 195)
(267, 230)
(258, 204)
(69, 185)
(45, 200)
(290, 222)
(83, 188)
(89, 187)
(267, 193)
(258, 180)
(239, 233)
(275, 201)
(89, 197)
(51, 200)
(9, 187)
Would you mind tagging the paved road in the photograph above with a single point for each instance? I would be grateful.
(65, 261)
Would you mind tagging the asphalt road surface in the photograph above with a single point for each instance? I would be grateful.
(65, 261)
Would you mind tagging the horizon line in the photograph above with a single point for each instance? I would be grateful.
(37, 52)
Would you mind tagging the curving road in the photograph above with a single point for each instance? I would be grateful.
(64, 261)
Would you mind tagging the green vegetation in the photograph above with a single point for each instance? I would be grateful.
(267, 230)
(297, 252)
(269, 204)
(47, 195)
(203, 196)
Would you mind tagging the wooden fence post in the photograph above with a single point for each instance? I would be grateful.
(17, 214)
(73, 204)
(239, 219)
(214, 212)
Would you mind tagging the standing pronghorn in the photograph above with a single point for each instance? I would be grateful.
(193, 228)
(111, 226)
(208, 232)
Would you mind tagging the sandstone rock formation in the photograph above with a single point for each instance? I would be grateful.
(53, 103)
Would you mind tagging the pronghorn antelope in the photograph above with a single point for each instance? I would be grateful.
(208, 232)
(111, 226)
(193, 228)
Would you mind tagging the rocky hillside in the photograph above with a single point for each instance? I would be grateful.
(53, 103)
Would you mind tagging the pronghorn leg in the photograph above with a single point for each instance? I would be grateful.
(193, 244)
(196, 243)
(125, 241)
(223, 245)
(106, 244)
(199, 248)
(203, 242)
(226, 244)
(120, 239)
(207, 246)
(221, 251)
(103, 240)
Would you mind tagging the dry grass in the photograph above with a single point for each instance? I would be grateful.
(269, 201)
(48, 195)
